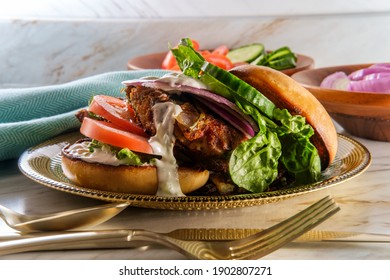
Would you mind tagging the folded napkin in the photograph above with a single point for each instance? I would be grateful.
(29, 116)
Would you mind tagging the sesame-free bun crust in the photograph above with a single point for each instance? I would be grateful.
(288, 94)
(126, 179)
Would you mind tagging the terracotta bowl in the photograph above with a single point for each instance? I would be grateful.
(363, 114)
(154, 61)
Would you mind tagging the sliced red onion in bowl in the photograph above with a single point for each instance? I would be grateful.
(373, 85)
(361, 73)
(375, 78)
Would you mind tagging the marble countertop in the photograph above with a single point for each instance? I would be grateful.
(364, 202)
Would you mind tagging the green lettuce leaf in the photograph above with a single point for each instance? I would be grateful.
(129, 157)
(125, 155)
(254, 163)
(299, 155)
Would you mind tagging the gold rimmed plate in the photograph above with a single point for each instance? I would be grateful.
(42, 164)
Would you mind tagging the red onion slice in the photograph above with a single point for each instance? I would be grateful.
(232, 118)
(218, 104)
(374, 85)
(387, 65)
(361, 73)
(375, 76)
(337, 80)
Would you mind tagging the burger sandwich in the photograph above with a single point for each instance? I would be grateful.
(203, 131)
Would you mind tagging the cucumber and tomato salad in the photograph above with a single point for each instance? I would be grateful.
(223, 57)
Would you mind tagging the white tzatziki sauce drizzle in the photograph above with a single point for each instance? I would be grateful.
(179, 79)
(102, 155)
(162, 144)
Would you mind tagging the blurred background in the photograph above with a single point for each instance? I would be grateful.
(46, 42)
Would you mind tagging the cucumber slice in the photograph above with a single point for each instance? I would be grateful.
(282, 58)
(283, 51)
(240, 90)
(246, 53)
(260, 60)
(282, 63)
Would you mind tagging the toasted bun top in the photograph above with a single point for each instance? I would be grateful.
(288, 94)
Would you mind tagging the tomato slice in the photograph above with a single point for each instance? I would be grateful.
(169, 61)
(175, 68)
(117, 111)
(195, 44)
(111, 134)
(222, 50)
(218, 60)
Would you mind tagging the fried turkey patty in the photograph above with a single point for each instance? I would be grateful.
(201, 137)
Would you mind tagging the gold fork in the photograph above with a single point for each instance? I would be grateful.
(251, 247)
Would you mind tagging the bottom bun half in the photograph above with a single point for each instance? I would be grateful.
(127, 179)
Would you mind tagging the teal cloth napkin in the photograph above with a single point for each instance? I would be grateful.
(29, 116)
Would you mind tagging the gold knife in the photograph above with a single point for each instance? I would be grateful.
(118, 238)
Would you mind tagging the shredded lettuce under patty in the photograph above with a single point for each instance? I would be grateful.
(125, 155)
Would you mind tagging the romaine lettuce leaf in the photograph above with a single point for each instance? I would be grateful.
(254, 163)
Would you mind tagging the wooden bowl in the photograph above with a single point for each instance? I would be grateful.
(154, 61)
(363, 114)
